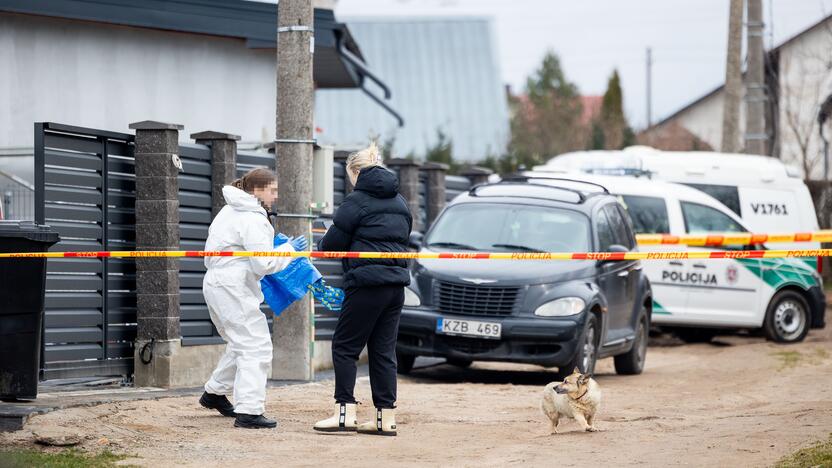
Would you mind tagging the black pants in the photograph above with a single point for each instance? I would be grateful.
(369, 317)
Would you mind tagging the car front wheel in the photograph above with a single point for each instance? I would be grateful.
(587, 352)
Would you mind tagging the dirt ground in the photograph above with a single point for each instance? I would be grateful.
(739, 402)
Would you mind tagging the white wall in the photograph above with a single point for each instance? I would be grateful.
(805, 82)
(105, 76)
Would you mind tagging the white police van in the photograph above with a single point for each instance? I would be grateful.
(769, 196)
(696, 299)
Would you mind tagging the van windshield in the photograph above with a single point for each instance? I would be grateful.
(511, 228)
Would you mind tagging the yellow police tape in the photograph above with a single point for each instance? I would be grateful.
(613, 256)
(735, 238)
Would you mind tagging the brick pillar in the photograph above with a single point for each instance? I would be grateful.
(409, 188)
(223, 163)
(435, 173)
(157, 228)
(477, 175)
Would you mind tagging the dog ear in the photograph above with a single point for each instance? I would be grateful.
(576, 371)
(583, 379)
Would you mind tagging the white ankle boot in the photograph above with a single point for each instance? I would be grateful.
(343, 420)
(384, 424)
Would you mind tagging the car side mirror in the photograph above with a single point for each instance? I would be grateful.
(614, 248)
(416, 239)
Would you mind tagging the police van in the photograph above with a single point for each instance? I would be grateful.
(769, 196)
(697, 299)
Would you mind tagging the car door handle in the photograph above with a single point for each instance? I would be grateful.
(676, 263)
(699, 265)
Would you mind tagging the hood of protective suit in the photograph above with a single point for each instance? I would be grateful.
(241, 200)
(378, 182)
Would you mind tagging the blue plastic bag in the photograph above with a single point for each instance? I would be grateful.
(286, 286)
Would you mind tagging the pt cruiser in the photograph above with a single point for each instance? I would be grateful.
(562, 314)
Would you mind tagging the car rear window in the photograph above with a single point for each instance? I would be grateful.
(649, 214)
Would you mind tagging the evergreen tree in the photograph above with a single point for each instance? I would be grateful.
(545, 122)
(616, 131)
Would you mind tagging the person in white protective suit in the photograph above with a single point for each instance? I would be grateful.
(232, 291)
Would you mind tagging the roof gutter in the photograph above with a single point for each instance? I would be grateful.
(365, 72)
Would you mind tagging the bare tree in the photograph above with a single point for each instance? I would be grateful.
(806, 82)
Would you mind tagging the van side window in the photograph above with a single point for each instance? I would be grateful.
(702, 219)
(606, 237)
(649, 214)
(726, 194)
(621, 235)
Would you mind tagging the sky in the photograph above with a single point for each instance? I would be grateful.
(594, 37)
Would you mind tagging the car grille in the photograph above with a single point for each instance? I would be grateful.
(464, 299)
(472, 345)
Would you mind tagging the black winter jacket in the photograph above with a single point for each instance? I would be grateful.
(373, 218)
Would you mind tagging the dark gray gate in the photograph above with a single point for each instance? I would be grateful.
(85, 189)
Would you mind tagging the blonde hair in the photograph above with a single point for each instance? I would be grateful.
(368, 157)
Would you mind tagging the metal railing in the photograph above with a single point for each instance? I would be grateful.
(18, 203)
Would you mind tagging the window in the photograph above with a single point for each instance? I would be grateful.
(621, 234)
(606, 236)
(649, 214)
(508, 227)
(726, 194)
(703, 219)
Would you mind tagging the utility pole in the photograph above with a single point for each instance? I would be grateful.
(733, 81)
(756, 138)
(649, 87)
(293, 335)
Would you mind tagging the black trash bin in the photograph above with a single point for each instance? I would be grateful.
(22, 287)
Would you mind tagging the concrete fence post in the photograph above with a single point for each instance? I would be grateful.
(409, 188)
(437, 197)
(477, 175)
(157, 228)
(223, 163)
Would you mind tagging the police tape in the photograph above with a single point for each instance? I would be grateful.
(718, 239)
(739, 238)
(607, 256)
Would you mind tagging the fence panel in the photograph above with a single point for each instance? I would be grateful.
(455, 185)
(84, 188)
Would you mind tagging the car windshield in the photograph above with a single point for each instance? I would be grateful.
(511, 228)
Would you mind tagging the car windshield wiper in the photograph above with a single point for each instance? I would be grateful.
(517, 247)
(452, 245)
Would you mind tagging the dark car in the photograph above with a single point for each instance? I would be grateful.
(554, 313)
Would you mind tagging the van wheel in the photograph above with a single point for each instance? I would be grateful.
(632, 362)
(695, 335)
(405, 363)
(787, 318)
(587, 353)
(463, 363)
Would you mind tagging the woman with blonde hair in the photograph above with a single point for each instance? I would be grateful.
(373, 218)
(232, 291)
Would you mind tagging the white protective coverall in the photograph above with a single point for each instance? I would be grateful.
(232, 292)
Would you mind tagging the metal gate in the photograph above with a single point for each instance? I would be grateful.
(85, 189)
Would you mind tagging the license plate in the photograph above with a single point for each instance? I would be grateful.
(448, 326)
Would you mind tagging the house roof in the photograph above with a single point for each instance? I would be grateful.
(446, 76)
(716, 90)
(253, 22)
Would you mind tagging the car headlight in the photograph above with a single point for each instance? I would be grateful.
(561, 307)
(411, 299)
